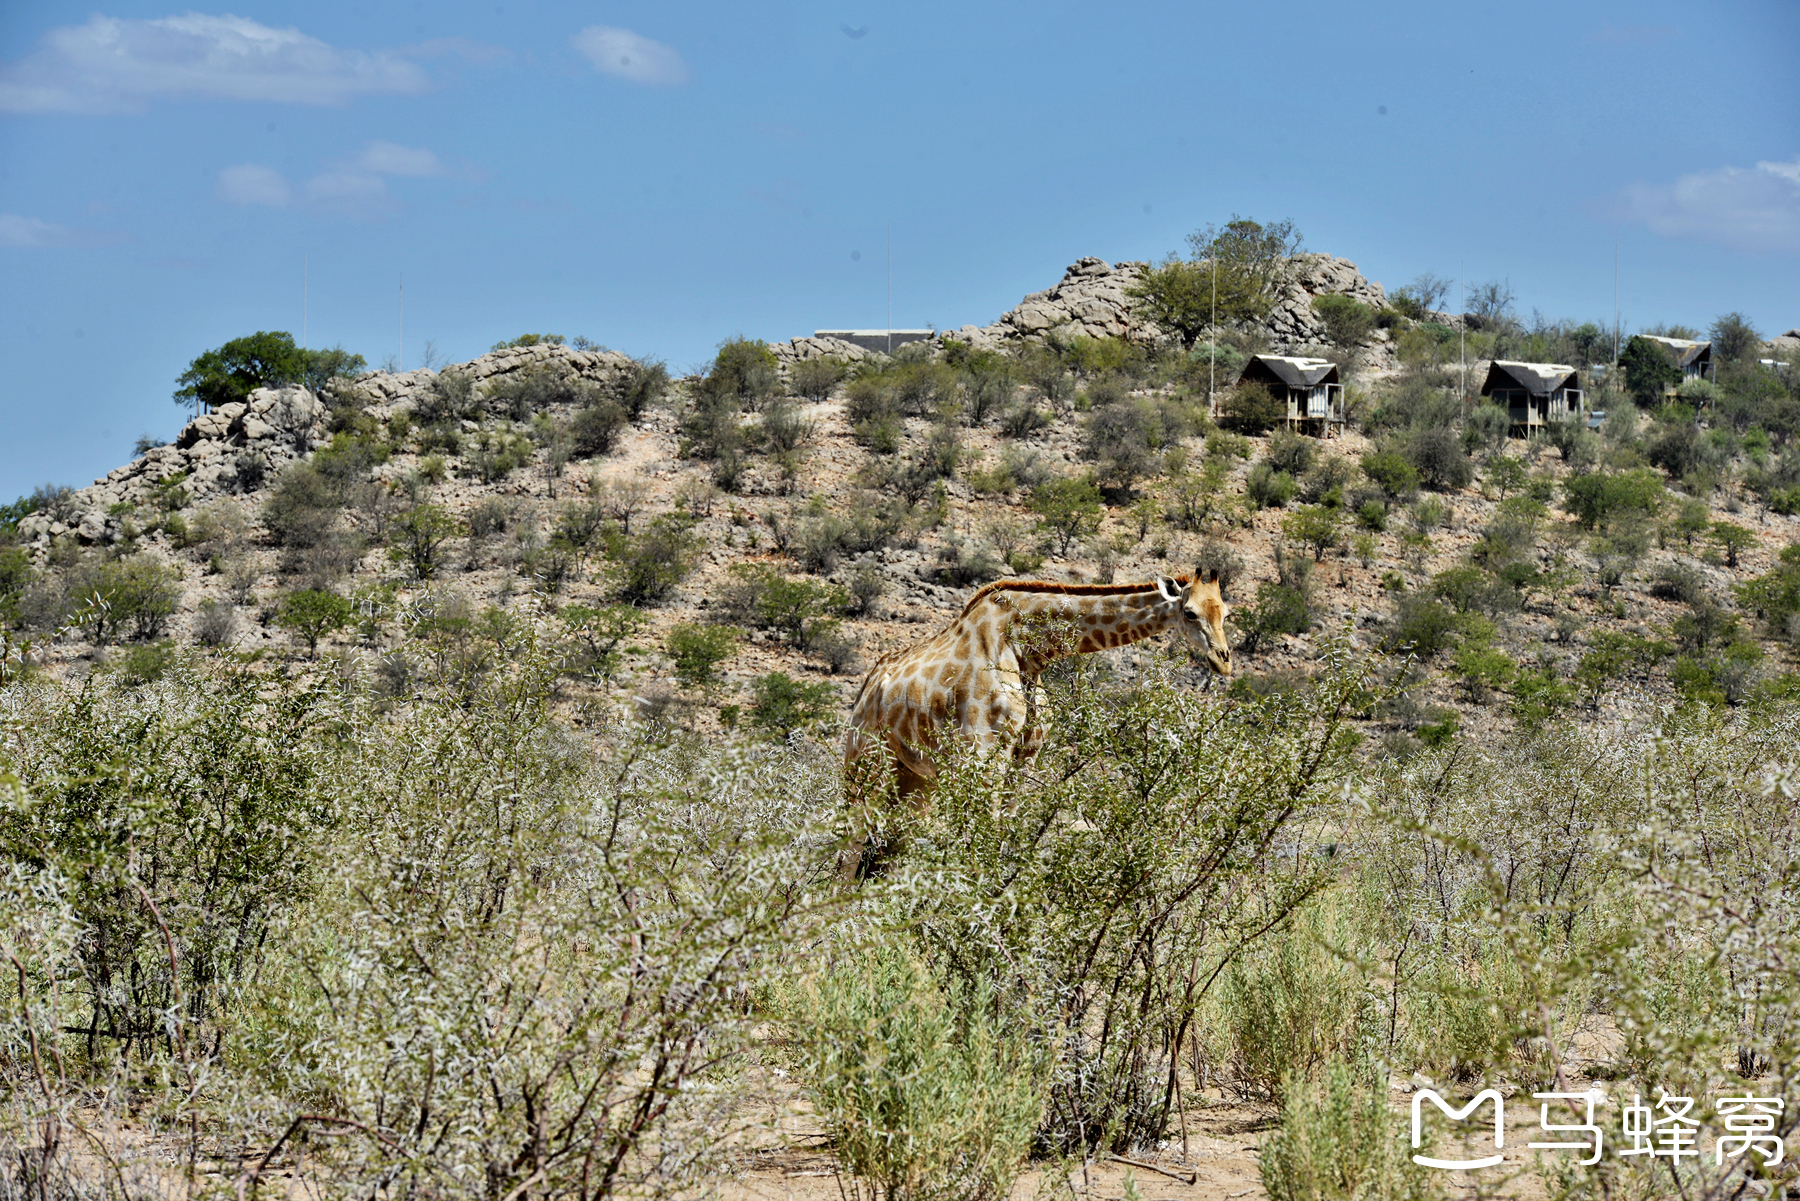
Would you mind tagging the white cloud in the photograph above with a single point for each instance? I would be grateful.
(1755, 209)
(630, 56)
(385, 158)
(250, 184)
(113, 64)
(31, 232)
(353, 187)
(361, 195)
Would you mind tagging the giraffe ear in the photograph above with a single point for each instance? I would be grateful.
(1169, 589)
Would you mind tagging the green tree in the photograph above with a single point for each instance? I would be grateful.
(417, 536)
(1731, 539)
(261, 360)
(1483, 669)
(323, 366)
(1596, 498)
(649, 565)
(1690, 519)
(1232, 270)
(1734, 338)
(783, 704)
(314, 612)
(1648, 366)
(1315, 526)
(597, 633)
(1347, 320)
(1067, 509)
(697, 651)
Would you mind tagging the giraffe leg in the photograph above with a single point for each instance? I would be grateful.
(869, 847)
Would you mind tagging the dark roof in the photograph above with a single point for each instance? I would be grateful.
(1295, 373)
(1686, 350)
(1539, 379)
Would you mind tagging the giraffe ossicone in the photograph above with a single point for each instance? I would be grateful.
(979, 674)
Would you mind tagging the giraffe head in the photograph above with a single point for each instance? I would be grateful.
(1203, 611)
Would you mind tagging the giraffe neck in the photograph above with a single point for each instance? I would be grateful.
(1051, 625)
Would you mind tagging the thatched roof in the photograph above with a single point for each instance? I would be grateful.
(1686, 350)
(1539, 379)
(1295, 373)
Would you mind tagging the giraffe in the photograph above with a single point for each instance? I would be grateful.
(980, 672)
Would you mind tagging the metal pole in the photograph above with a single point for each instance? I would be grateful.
(401, 365)
(1462, 332)
(304, 265)
(890, 252)
(1615, 308)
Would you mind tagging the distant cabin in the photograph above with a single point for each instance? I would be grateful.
(1694, 358)
(882, 340)
(1310, 389)
(1534, 394)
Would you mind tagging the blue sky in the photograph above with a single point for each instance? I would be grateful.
(658, 177)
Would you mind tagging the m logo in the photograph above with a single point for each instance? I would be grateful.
(1457, 1115)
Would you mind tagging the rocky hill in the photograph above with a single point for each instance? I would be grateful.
(541, 511)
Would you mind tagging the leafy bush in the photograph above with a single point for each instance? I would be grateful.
(744, 371)
(1103, 896)
(799, 609)
(233, 371)
(1316, 526)
(783, 704)
(1339, 1141)
(1437, 455)
(1251, 408)
(640, 385)
(596, 428)
(178, 819)
(649, 566)
(927, 1094)
(1348, 322)
(302, 508)
(1066, 509)
(1647, 368)
(698, 650)
(451, 397)
(418, 536)
(1423, 626)
(1597, 499)
(1391, 470)
(312, 613)
(1291, 452)
(816, 378)
(594, 634)
(113, 597)
(1267, 488)
(1119, 438)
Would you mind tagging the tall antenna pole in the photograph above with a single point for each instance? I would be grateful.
(1615, 306)
(1462, 331)
(1212, 339)
(890, 325)
(402, 363)
(304, 265)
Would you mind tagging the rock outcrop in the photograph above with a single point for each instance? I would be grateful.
(237, 446)
(1090, 300)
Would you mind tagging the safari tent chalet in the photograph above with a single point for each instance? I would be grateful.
(1694, 358)
(1310, 388)
(1534, 394)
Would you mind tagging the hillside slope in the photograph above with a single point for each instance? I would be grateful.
(455, 510)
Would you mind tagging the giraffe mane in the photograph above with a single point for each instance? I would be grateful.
(987, 590)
